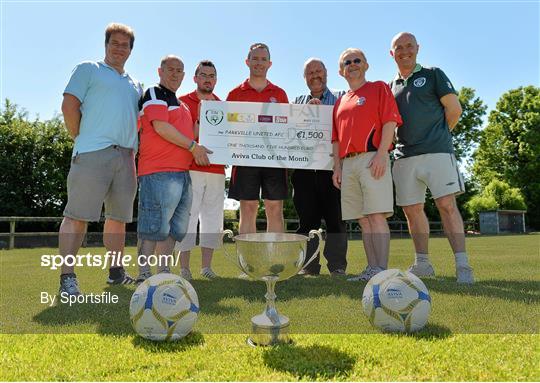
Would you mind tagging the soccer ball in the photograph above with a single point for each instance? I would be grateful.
(396, 301)
(164, 307)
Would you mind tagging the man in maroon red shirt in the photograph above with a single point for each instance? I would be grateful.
(364, 122)
(247, 182)
(208, 185)
(167, 149)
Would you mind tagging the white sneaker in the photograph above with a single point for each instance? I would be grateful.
(69, 285)
(464, 274)
(207, 272)
(143, 277)
(186, 274)
(363, 276)
(367, 274)
(243, 276)
(422, 269)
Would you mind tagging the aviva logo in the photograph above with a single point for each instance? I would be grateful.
(168, 299)
(394, 293)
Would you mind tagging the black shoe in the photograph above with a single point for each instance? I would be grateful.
(123, 279)
(338, 273)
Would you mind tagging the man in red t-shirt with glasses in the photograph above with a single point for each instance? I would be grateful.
(208, 185)
(363, 130)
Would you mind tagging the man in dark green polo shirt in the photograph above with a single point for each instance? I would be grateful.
(430, 109)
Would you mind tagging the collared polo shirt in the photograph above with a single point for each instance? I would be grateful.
(192, 101)
(328, 97)
(156, 154)
(245, 92)
(109, 106)
(424, 128)
(360, 115)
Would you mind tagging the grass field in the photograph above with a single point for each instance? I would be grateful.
(488, 331)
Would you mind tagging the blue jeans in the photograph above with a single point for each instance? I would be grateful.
(164, 205)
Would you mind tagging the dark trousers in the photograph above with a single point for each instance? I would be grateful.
(316, 198)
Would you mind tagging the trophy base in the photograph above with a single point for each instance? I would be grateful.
(265, 333)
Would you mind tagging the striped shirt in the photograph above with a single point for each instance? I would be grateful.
(156, 154)
(328, 97)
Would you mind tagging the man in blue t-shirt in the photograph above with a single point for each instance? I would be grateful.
(100, 110)
(430, 109)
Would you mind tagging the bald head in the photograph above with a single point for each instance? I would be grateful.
(402, 34)
(171, 72)
(404, 50)
(166, 59)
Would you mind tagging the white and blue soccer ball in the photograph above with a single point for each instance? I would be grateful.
(164, 307)
(396, 301)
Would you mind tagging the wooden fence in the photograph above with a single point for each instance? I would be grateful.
(397, 228)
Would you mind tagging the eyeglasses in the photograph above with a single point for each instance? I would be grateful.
(349, 62)
(207, 76)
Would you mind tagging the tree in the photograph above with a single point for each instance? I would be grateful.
(496, 195)
(509, 147)
(34, 158)
(467, 132)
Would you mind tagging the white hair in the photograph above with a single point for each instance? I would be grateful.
(313, 60)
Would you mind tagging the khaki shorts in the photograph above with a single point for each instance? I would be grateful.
(361, 194)
(437, 171)
(103, 176)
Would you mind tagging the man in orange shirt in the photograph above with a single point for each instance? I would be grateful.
(247, 182)
(167, 149)
(208, 185)
(364, 122)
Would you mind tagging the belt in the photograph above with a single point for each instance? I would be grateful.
(118, 147)
(122, 150)
(353, 154)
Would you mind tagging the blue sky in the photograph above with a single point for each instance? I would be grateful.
(489, 46)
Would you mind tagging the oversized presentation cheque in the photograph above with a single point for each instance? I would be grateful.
(294, 136)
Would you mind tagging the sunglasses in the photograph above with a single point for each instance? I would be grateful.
(349, 62)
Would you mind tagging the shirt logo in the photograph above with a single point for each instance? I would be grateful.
(214, 117)
(449, 85)
(419, 82)
(361, 101)
(273, 99)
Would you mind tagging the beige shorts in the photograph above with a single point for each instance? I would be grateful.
(103, 177)
(437, 171)
(361, 194)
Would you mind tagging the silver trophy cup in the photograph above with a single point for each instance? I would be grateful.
(271, 257)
